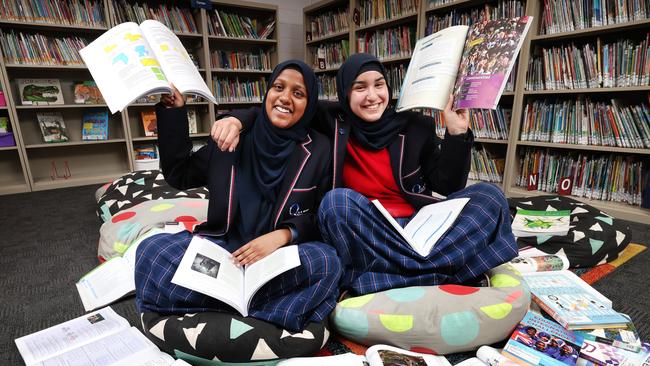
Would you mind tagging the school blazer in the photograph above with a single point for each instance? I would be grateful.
(301, 190)
(421, 162)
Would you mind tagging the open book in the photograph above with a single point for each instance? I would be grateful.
(130, 61)
(101, 338)
(377, 355)
(208, 269)
(428, 225)
(473, 61)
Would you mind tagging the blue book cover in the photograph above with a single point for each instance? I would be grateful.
(596, 353)
(94, 126)
(540, 341)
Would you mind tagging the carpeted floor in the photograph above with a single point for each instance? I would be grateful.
(48, 240)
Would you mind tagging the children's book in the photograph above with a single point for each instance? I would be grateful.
(145, 152)
(129, 61)
(209, 269)
(149, 122)
(52, 127)
(473, 62)
(100, 338)
(94, 126)
(532, 223)
(626, 338)
(540, 341)
(87, 92)
(40, 91)
(429, 224)
(596, 353)
(551, 262)
(4, 124)
(571, 301)
(191, 118)
(377, 355)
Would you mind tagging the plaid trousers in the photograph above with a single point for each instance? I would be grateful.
(375, 257)
(307, 293)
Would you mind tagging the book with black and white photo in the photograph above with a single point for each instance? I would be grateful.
(130, 61)
(209, 269)
(428, 225)
(377, 355)
(100, 338)
(474, 66)
(52, 127)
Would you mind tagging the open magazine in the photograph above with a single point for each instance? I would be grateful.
(101, 338)
(377, 355)
(429, 224)
(208, 269)
(130, 61)
(473, 61)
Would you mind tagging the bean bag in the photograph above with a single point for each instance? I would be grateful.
(594, 236)
(217, 338)
(436, 319)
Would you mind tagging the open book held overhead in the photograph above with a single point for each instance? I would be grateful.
(130, 61)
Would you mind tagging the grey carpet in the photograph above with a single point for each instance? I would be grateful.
(48, 240)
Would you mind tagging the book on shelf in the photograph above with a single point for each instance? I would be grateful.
(601, 354)
(191, 119)
(3, 100)
(87, 92)
(540, 341)
(625, 338)
(377, 355)
(543, 263)
(428, 225)
(130, 61)
(209, 269)
(474, 67)
(101, 338)
(571, 301)
(52, 127)
(94, 126)
(40, 91)
(145, 152)
(4, 124)
(537, 222)
(149, 122)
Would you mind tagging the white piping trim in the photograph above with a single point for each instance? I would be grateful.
(336, 148)
(304, 189)
(410, 174)
(230, 196)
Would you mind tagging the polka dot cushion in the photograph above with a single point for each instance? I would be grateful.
(213, 338)
(436, 319)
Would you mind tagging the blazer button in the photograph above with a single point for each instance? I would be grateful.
(341, 131)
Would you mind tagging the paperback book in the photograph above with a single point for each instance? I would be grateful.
(52, 127)
(532, 223)
(539, 341)
(191, 118)
(551, 262)
(87, 92)
(625, 338)
(474, 67)
(571, 301)
(377, 355)
(209, 269)
(130, 61)
(601, 354)
(40, 91)
(94, 126)
(149, 122)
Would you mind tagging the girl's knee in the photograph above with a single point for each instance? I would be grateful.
(321, 259)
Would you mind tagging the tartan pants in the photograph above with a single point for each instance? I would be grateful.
(376, 258)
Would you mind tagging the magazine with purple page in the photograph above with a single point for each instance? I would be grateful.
(473, 62)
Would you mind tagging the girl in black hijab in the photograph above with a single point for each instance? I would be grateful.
(263, 195)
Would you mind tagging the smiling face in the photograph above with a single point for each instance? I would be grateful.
(369, 96)
(286, 99)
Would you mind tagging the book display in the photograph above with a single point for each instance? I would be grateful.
(40, 42)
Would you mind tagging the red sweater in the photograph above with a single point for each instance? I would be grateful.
(369, 173)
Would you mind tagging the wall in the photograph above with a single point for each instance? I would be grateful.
(290, 34)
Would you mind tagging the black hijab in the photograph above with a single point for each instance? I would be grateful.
(265, 154)
(371, 135)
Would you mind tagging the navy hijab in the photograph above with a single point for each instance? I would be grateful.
(265, 153)
(371, 135)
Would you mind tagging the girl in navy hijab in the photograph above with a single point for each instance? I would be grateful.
(263, 195)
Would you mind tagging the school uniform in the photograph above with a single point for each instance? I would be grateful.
(274, 180)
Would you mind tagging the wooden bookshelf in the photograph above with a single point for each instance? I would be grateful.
(28, 165)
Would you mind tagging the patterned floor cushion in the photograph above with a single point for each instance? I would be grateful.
(137, 187)
(218, 338)
(594, 237)
(436, 319)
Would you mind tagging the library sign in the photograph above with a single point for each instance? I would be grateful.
(564, 185)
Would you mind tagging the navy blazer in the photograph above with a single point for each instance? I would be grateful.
(303, 186)
(421, 162)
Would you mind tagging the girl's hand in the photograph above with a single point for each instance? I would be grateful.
(175, 100)
(261, 246)
(225, 133)
(457, 122)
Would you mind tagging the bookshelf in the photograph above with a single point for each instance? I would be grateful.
(508, 150)
(30, 165)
